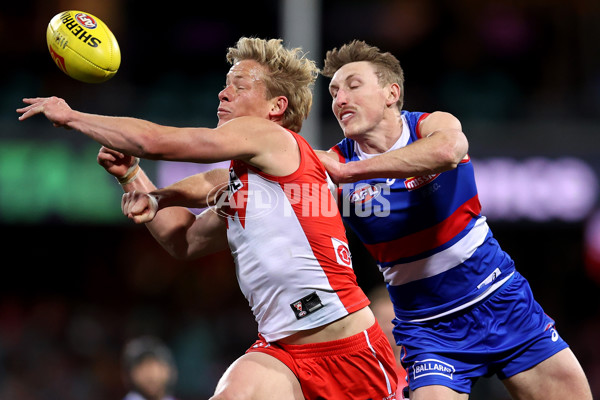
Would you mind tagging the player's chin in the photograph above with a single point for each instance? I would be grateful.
(223, 119)
(350, 132)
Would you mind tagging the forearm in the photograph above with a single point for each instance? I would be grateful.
(139, 182)
(439, 152)
(170, 225)
(128, 135)
(189, 236)
(196, 191)
(170, 229)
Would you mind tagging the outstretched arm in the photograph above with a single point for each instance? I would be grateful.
(258, 141)
(442, 148)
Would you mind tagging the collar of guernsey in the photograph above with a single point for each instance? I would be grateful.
(401, 142)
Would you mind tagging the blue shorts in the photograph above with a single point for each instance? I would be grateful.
(505, 334)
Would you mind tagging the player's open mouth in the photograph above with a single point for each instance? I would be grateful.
(344, 116)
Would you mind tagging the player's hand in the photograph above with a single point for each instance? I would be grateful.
(139, 206)
(333, 167)
(114, 162)
(54, 108)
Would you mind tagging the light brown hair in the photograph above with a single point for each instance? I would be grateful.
(387, 66)
(290, 74)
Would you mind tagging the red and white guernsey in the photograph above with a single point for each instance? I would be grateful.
(290, 248)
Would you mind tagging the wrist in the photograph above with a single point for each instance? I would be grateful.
(153, 202)
(346, 172)
(131, 174)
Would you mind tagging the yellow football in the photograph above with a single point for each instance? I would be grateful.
(83, 47)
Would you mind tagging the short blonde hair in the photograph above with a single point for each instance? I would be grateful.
(387, 66)
(289, 74)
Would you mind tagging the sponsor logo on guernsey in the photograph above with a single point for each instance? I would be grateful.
(432, 367)
(342, 253)
(235, 183)
(553, 331)
(491, 278)
(416, 182)
(306, 305)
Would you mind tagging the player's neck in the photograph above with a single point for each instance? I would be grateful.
(382, 137)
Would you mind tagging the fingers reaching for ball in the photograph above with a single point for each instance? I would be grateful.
(54, 108)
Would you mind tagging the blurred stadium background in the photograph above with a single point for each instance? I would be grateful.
(79, 279)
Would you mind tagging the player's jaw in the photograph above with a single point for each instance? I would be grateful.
(349, 119)
(224, 114)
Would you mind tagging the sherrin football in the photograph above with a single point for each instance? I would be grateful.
(83, 47)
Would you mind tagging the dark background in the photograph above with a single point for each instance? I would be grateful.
(79, 280)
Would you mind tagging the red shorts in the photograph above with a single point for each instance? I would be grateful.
(359, 367)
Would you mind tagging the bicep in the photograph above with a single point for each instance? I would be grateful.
(447, 137)
(327, 153)
(439, 121)
(241, 139)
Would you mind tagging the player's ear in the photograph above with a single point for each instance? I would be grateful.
(393, 94)
(278, 106)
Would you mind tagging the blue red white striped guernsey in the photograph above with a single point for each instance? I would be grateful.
(427, 234)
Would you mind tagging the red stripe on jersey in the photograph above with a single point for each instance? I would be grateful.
(418, 125)
(336, 150)
(429, 238)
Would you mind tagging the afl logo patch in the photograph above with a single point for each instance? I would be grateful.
(86, 21)
(364, 193)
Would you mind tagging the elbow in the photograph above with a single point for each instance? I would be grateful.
(180, 256)
(454, 151)
(176, 242)
(180, 252)
(175, 250)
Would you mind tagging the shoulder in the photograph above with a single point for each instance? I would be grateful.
(441, 117)
(439, 120)
(256, 129)
(343, 150)
(250, 123)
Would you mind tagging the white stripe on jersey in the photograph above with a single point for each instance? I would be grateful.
(443, 261)
(482, 296)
